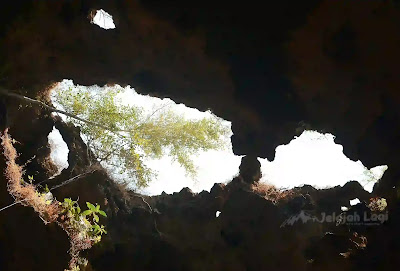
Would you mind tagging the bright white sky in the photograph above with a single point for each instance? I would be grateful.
(59, 150)
(312, 158)
(103, 20)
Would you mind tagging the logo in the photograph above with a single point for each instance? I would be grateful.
(340, 219)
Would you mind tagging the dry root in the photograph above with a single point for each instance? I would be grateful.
(48, 208)
(270, 192)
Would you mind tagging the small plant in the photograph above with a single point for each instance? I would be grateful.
(93, 211)
(85, 222)
(71, 208)
(30, 178)
(83, 227)
(96, 230)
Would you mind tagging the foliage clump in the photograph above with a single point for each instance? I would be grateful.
(82, 228)
(125, 135)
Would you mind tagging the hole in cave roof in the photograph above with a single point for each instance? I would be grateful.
(214, 166)
(103, 19)
(59, 150)
(354, 201)
(315, 159)
(311, 158)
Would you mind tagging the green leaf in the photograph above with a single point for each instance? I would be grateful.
(96, 228)
(91, 206)
(102, 213)
(86, 213)
(95, 217)
(97, 207)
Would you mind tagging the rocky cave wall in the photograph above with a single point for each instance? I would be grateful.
(330, 68)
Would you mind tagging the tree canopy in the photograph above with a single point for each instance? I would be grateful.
(126, 135)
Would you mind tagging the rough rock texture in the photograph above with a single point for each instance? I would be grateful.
(332, 66)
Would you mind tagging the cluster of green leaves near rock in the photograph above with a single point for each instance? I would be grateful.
(125, 135)
(87, 221)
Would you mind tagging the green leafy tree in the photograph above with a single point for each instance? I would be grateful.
(124, 136)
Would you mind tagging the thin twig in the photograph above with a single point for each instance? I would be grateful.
(12, 204)
(113, 151)
(72, 179)
(155, 111)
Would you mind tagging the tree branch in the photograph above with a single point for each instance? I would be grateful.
(154, 112)
(53, 109)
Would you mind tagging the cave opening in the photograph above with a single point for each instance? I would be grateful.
(312, 158)
(315, 159)
(58, 150)
(102, 19)
(212, 166)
